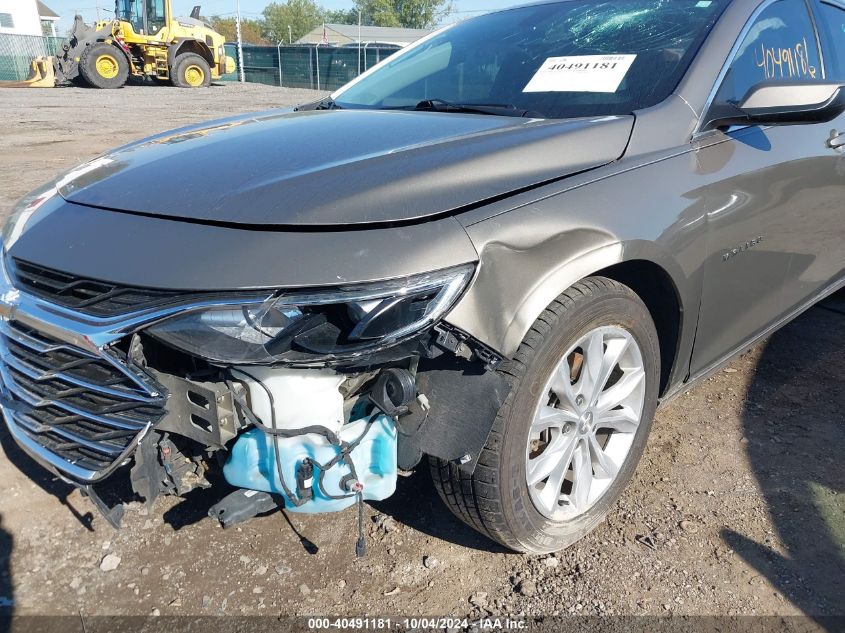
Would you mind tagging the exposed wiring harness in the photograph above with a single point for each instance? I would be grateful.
(306, 467)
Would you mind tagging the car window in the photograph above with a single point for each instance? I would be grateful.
(832, 23)
(781, 45)
(561, 59)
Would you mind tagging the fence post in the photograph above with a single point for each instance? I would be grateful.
(279, 53)
(311, 69)
(359, 43)
(240, 43)
(317, 54)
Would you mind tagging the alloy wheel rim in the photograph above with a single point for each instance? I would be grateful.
(585, 422)
(194, 76)
(107, 66)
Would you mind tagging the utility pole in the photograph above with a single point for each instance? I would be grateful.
(290, 35)
(359, 41)
(240, 43)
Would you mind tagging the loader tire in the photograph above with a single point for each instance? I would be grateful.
(190, 71)
(104, 66)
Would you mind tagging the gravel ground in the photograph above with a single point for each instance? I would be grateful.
(737, 507)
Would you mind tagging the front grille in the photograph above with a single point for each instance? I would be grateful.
(84, 407)
(89, 296)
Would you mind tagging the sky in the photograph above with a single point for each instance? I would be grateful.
(249, 8)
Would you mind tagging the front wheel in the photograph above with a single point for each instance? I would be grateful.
(570, 434)
(190, 71)
(104, 66)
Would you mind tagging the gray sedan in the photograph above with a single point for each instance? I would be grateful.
(497, 252)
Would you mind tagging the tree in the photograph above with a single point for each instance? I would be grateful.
(339, 16)
(252, 31)
(413, 14)
(421, 14)
(300, 15)
(377, 12)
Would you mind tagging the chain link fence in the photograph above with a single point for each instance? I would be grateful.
(18, 51)
(315, 67)
(307, 66)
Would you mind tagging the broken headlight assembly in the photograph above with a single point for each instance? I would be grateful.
(340, 323)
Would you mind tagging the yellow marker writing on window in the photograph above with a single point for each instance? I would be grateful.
(785, 63)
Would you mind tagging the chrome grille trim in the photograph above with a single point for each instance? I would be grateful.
(41, 328)
(36, 427)
(36, 401)
(57, 464)
(80, 413)
(34, 343)
(61, 373)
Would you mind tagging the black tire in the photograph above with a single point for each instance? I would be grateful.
(495, 500)
(190, 71)
(104, 66)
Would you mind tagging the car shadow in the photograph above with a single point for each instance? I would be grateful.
(194, 506)
(794, 423)
(417, 505)
(414, 504)
(7, 589)
(45, 480)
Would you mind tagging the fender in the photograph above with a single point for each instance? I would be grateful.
(535, 246)
(500, 315)
(182, 45)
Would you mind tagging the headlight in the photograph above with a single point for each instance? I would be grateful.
(335, 324)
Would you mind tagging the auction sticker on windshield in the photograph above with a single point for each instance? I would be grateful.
(581, 73)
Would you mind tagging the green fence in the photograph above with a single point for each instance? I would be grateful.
(315, 67)
(18, 51)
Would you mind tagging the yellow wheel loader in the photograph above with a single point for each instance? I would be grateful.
(143, 40)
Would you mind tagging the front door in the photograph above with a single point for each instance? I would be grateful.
(772, 197)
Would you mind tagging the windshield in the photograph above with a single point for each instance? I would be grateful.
(134, 11)
(156, 20)
(564, 59)
(131, 11)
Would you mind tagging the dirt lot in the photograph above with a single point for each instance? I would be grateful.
(737, 508)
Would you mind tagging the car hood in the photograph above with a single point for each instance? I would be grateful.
(341, 167)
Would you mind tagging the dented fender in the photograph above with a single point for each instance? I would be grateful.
(541, 243)
(537, 272)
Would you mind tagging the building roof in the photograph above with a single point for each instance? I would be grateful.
(338, 33)
(45, 12)
(379, 33)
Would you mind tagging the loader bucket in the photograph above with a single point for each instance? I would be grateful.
(41, 75)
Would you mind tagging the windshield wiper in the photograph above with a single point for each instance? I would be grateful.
(322, 104)
(327, 104)
(501, 109)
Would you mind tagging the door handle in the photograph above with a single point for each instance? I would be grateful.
(836, 140)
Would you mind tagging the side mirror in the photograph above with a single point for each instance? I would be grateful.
(775, 103)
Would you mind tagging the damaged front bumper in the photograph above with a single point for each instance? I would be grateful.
(89, 396)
